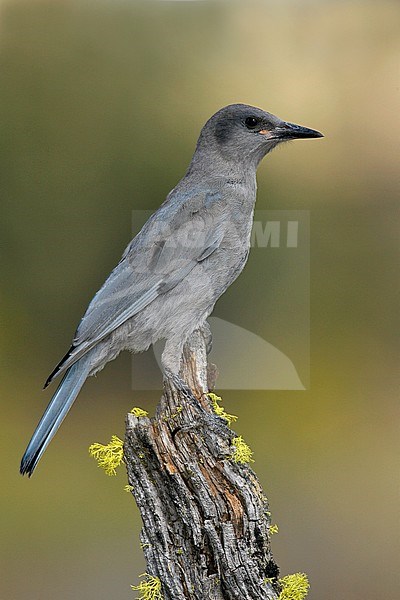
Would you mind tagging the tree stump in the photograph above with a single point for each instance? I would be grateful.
(205, 518)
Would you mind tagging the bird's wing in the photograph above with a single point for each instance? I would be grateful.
(155, 262)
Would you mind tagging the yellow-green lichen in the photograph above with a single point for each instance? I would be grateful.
(219, 410)
(144, 545)
(139, 412)
(242, 454)
(294, 587)
(108, 456)
(179, 409)
(150, 588)
(273, 529)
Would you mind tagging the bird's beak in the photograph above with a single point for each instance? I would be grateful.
(290, 131)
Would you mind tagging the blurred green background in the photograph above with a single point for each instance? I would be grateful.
(101, 105)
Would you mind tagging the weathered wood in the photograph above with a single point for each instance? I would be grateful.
(205, 518)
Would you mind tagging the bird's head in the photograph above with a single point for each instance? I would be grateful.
(239, 132)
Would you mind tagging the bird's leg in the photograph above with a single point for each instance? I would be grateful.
(212, 371)
(171, 357)
(184, 362)
(171, 365)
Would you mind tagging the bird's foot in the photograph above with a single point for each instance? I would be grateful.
(179, 383)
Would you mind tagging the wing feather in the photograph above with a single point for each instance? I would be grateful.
(145, 272)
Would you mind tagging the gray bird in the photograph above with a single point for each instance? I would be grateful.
(184, 258)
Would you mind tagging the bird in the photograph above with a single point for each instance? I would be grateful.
(174, 270)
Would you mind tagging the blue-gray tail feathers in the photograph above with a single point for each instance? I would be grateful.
(55, 413)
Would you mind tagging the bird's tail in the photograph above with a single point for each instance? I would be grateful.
(55, 413)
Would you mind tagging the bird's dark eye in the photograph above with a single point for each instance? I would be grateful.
(251, 122)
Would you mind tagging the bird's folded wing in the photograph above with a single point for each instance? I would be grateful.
(145, 273)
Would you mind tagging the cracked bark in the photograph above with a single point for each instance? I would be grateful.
(205, 518)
